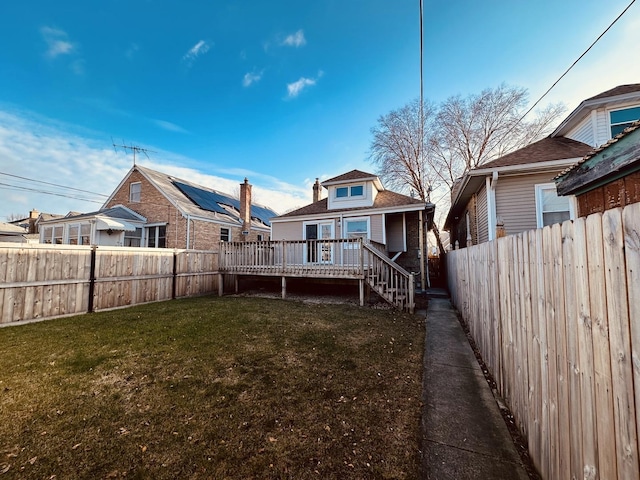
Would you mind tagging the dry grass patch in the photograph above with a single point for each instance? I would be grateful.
(213, 388)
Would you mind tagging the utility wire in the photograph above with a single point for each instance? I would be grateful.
(573, 65)
(52, 184)
(8, 186)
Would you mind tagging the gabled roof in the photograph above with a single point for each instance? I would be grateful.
(354, 176)
(615, 96)
(548, 154)
(385, 200)
(200, 202)
(615, 159)
(545, 150)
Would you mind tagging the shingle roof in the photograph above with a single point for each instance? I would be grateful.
(352, 175)
(384, 199)
(175, 189)
(619, 90)
(547, 149)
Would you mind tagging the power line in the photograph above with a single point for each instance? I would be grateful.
(8, 186)
(52, 184)
(574, 63)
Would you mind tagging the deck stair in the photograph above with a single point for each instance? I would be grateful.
(389, 280)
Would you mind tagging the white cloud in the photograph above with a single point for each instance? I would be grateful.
(197, 50)
(251, 78)
(42, 149)
(171, 127)
(57, 42)
(294, 89)
(295, 39)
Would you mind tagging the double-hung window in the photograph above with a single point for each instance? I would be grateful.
(135, 192)
(356, 228)
(157, 236)
(225, 235)
(550, 207)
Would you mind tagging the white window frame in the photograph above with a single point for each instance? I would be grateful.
(539, 188)
(350, 193)
(347, 220)
(157, 236)
(613, 110)
(138, 194)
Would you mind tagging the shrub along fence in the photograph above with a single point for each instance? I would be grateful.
(556, 315)
(43, 281)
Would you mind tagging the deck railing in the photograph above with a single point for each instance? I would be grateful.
(327, 258)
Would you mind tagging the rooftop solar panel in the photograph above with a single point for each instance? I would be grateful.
(212, 201)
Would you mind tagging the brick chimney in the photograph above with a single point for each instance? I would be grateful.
(245, 206)
(33, 216)
(317, 191)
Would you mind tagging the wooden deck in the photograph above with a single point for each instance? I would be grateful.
(350, 259)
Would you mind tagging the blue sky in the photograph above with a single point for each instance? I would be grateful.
(280, 92)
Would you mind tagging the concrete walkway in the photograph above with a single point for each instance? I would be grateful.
(464, 434)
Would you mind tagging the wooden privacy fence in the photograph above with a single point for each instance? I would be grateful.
(556, 315)
(42, 281)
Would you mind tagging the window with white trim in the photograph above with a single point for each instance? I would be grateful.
(352, 191)
(356, 227)
(621, 119)
(133, 239)
(157, 236)
(550, 207)
(135, 192)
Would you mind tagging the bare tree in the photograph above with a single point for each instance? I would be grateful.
(12, 217)
(474, 130)
(398, 148)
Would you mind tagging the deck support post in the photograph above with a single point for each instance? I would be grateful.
(236, 281)
(361, 282)
(284, 287)
(220, 284)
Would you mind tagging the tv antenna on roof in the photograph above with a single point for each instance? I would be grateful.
(134, 148)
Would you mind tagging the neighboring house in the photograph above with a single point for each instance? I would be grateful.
(13, 233)
(608, 177)
(357, 205)
(517, 192)
(116, 227)
(174, 213)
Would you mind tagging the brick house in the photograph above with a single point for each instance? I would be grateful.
(153, 209)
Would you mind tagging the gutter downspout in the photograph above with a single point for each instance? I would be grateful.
(188, 230)
(492, 214)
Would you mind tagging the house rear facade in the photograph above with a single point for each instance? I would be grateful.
(358, 205)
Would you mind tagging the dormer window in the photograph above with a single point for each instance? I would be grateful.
(621, 119)
(353, 191)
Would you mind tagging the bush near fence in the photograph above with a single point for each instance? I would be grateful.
(44, 281)
(556, 315)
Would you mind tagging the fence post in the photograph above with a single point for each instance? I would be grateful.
(92, 278)
(175, 275)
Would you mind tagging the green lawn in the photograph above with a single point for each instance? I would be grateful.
(231, 387)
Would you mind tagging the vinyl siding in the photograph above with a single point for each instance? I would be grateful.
(377, 228)
(516, 200)
(583, 132)
(286, 230)
(482, 220)
(395, 229)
